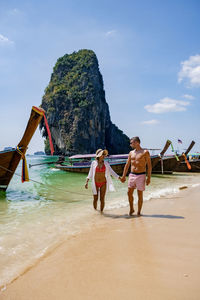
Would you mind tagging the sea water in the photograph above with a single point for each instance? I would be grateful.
(38, 215)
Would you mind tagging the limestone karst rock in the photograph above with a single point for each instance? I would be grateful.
(76, 109)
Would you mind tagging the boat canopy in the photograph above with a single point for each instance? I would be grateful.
(115, 156)
(87, 156)
(194, 154)
(78, 156)
(112, 156)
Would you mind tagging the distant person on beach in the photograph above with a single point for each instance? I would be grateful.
(100, 172)
(138, 159)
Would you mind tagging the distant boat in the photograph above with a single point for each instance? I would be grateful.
(10, 158)
(39, 153)
(81, 163)
(7, 148)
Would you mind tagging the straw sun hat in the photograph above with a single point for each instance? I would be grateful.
(101, 152)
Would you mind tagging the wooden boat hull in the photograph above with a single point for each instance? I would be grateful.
(156, 159)
(195, 166)
(10, 159)
(168, 165)
(118, 168)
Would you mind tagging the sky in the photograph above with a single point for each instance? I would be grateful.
(148, 53)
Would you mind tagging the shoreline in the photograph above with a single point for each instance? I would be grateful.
(154, 256)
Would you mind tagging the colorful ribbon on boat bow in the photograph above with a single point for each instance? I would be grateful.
(174, 152)
(187, 162)
(49, 134)
(25, 176)
(42, 111)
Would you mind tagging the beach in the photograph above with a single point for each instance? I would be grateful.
(155, 256)
(99, 103)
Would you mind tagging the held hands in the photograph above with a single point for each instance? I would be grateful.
(122, 179)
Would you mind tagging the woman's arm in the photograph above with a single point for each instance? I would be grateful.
(112, 172)
(89, 175)
(90, 171)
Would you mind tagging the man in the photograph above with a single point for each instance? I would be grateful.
(138, 159)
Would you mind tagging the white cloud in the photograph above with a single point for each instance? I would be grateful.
(150, 122)
(167, 105)
(111, 33)
(4, 40)
(189, 97)
(190, 71)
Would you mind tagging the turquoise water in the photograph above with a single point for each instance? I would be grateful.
(35, 217)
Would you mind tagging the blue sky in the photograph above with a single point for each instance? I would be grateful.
(148, 53)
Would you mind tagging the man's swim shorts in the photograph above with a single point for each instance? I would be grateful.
(137, 181)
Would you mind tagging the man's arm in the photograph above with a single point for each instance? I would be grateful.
(149, 168)
(127, 165)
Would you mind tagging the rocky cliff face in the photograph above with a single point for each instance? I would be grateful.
(76, 109)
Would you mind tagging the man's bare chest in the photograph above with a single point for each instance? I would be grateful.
(138, 156)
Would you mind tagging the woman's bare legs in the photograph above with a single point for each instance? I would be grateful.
(95, 200)
(102, 196)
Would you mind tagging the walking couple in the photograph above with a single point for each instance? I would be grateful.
(100, 173)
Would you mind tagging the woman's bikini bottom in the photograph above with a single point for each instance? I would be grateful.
(100, 184)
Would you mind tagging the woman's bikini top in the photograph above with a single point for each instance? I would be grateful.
(101, 170)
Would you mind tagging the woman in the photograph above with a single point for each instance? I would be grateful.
(100, 172)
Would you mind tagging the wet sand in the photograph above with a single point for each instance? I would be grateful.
(155, 256)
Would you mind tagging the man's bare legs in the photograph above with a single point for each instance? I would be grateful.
(130, 199)
(140, 201)
(102, 196)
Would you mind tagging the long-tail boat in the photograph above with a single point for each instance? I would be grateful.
(9, 159)
(81, 163)
(156, 159)
(194, 163)
(168, 164)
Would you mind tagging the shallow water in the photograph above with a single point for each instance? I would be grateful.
(37, 216)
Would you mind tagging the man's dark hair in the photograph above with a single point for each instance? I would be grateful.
(136, 139)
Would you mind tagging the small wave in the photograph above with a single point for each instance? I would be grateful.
(195, 184)
(161, 193)
(119, 203)
(54, 169)
(116, 205)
